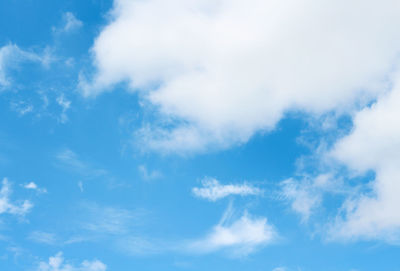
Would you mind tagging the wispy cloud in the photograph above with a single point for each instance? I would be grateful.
(71, 161)
(7, 206)
(65, 105)
(305, 196)
(43, 237)
(52, 239)
(109, 220)
(33, 186)
(240, 236)
(120, 227)
(11, 56)
(69, 24)
(212, 190)
(21, 107)
(149, 174)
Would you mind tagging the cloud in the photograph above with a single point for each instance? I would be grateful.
(57, 263)
(373, 144)
(120, 228)
(53, 239)
(21, 107)
(7, 206)
(33, 186)
(240, 237)
(149, 175)
(80, 185)
(225, 70)
(71, 161)
(213, 190)
(43, 237)
(139, 246)
(11, 56)
(306, 195)
(65, 105)
(71, 23)
(108, 220)
(302, 197)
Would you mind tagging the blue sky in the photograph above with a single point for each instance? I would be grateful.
(218, 135)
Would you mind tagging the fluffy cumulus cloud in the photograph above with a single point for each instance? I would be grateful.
(374, 144)
(240, 237)
(57, 263)
(212, 190)
(226, 69)
(217, 72)
(10, 207)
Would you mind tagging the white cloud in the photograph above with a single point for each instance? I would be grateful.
(305, 195)
(11, 56)
(227, 69)
(7, 206)
(57, 263)
(302, 198)
(240, 237)
(217, 72)
(71, 22)
(65, 105)
(213, 190)
(279, 269)
(33, 186)
(373, 144)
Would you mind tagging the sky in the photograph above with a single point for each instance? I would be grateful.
(199, 135)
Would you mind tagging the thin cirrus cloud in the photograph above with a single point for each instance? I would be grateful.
(70, 160)
(108, 220)
(212, 190)
(120, 227)
(228, 69)
(43, 237)
(58, 263)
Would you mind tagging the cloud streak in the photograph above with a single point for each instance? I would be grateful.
(212, 190)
